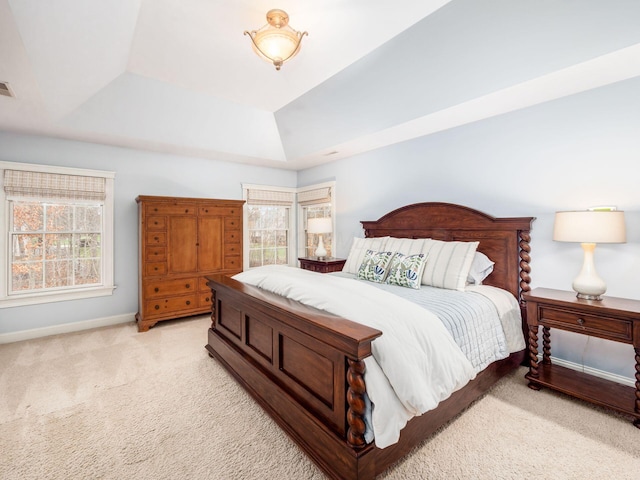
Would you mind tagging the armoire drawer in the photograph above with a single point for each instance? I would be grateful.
(232, 223)
(156, 238)
(204, 300)
(218, 211)
(156, 223)
(155, 254)
(232, 236)
(162, 306)
(175, 209)
(232, 262)
(156, 268)
(170, 287)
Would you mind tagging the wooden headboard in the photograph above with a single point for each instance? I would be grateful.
(504, 240)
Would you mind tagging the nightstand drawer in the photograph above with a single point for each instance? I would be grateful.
(605, 327)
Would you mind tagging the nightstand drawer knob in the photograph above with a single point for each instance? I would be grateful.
(580, 321)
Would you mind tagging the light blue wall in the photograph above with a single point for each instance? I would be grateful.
(137, 173)
(570, 153)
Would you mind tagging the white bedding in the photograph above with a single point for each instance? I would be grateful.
(415, 364)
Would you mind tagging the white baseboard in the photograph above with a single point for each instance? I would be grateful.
(631, 382)
(66, 328)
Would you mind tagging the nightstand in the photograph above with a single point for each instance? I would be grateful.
(324, 265)
(611, 318)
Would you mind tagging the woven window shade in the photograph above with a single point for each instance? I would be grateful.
(269, 197)
(52, 185)
(313, 197)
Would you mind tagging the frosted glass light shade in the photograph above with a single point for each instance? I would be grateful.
(589, 228)
(276, 42)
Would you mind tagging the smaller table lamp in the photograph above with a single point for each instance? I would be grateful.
(589, 228)
(320, 226)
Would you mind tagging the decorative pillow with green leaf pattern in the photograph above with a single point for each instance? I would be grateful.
(406, 270)
(375, 266)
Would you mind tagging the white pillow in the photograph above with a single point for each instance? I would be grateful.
(405, 246)
(481, 268)
(359, 249)
(448, 263)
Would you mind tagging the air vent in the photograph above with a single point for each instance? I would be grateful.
(5, 89)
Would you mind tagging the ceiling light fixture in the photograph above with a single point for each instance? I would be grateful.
(276, 42)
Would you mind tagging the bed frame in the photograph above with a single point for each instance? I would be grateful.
(305, 367)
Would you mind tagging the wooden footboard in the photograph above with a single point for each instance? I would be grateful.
(304, 366)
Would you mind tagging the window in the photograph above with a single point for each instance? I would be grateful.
(268, 218)
(58, 234)
(315, 202)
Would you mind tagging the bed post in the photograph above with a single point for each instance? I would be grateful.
(525, 286)
(355, 402)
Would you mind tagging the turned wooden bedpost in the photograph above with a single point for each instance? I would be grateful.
(213, 308)
(525, 267)
(355, 400)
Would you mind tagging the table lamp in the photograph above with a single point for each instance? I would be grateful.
(589, 228)
(319, 226)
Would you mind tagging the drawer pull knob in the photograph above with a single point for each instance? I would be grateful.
(156, 289)
(206, 299)
(157, 307)
(155, 268)
(188, 286)
(188, 302)
(580, 321)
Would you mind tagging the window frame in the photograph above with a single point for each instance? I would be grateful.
(246, 241)
(302, 220)
(297, 222)
(107, 286)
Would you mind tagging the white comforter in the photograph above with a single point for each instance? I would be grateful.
(415, 364)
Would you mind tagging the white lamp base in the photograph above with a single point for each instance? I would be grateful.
(321, 252)
(588, 283)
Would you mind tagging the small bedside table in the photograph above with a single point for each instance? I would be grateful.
(325, 265)
(611, 318)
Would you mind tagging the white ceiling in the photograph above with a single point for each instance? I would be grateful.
(179, 76)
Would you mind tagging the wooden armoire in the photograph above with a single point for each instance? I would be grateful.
(181, 241)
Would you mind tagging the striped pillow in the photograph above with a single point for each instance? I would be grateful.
(448, 263)
(359, 249)
(405, 246)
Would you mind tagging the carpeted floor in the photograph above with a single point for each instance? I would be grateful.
(112, 403)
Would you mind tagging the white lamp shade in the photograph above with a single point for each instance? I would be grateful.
(319, 225)
(590, 227)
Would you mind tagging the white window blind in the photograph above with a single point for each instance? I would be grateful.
(31, 184)
(315, 196)
(269, 197)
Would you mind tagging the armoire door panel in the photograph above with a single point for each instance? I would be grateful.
(183, 251)
(210, 246)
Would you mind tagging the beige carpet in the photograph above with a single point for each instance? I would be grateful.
(112, 403)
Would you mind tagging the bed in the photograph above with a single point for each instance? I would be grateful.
(306, 367)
